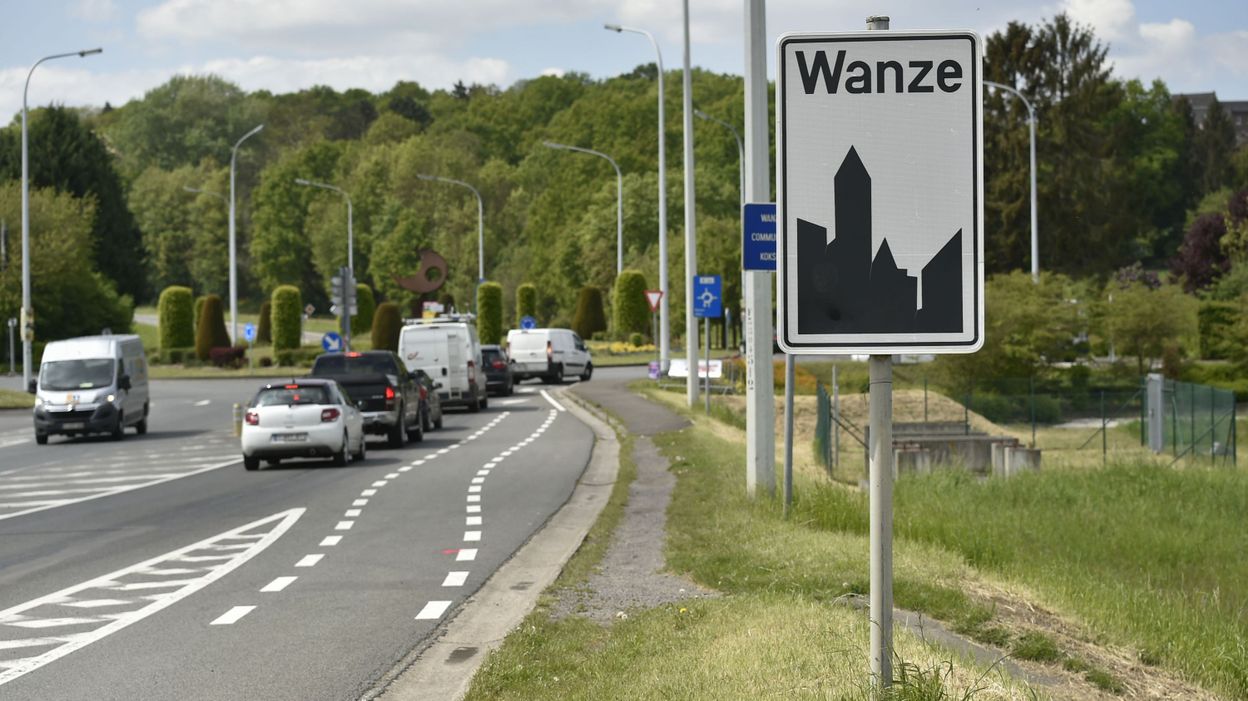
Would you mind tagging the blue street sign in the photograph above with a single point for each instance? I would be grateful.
(331, 342)
(527, 322)
(249, 332)
(758, 229)
(708, 297)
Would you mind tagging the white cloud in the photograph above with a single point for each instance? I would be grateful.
(1112, 20)
(94, 10)
(555, 72)
(1175, 35)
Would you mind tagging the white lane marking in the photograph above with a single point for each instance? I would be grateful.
(474, 508)
(344, 525)
(473, 521)
(309, 560)
(455, 446)
(511, 402)
(118, 490)
(455, 579)
(474, 489)
(483, 473)
(444, 451)
(95, 603)
(330, 541)
(202, 402)
(379, 483)
(472, 536)
(232, 616)
(360, 502)
(405, 468)
(417, 463)
(352, 513)
(526, 390)
(506, 453)
(466, 555)
(368, 492)
(552, 401)
(277, 525)
(392, 475)
(478, 480)
(474, 497)
(433, 610)
(278, 584)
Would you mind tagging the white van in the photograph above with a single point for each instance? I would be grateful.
(93, 384)
(449, 352)
(551, 354)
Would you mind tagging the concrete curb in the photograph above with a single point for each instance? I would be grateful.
(444, 668)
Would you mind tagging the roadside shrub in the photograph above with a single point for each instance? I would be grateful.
(1217, 322)
(387, 323)
(526, 302)
(287, 310)
(632, 312)
(228, 357)
(296, 357)
(176, 317)
(199, 308)
(210, 331)
(264, 330)
(590, 318)
(636, 340)
(266, 362)
(490, 312)
(365, 306)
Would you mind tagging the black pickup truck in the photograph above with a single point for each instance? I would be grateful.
(386, 393)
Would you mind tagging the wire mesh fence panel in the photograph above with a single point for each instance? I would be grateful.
(1198, 421)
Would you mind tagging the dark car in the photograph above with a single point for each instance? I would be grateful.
(498, 375)
(382, 388)
(432, 411)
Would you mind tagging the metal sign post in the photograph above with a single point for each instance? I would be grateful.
(880, 224)
(708, 303)
(12, 346)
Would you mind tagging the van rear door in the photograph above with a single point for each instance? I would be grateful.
(457, 360)
(425, 349)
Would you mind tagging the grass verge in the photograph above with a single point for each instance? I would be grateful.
(10, 399)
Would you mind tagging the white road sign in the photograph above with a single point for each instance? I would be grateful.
(880, 182)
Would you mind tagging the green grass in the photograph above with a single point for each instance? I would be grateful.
(10, 399)
(1151, 558)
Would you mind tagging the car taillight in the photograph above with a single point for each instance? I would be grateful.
(550, 352)
(389, 397)
(499, 365)
(424, 393)
(472, 370)
(329, 415)
(253, 419)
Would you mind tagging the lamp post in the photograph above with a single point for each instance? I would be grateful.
(740, 148)
(664, 321)
(1031, 120)
(347, 295)
(619, 198)
(233, 245)
(691, 237)
(480, 221)
(28, 313)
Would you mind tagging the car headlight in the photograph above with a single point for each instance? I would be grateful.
(111, 399)
(38, 401)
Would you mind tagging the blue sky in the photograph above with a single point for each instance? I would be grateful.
(284, 45)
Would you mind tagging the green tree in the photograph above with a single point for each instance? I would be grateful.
(210, 328)
(1215, 145)
(1142, 321)
(590, 317)
(287, 312)
(632, 312)
(490, 312)
(176, 318)
(365, 306)
(387, 324)
(264, 330)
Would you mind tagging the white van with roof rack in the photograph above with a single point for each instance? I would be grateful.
(551, 354)
(447, 349)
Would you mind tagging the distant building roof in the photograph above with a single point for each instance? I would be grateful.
(1238, 109)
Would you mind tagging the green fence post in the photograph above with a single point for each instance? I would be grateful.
(1032, 390)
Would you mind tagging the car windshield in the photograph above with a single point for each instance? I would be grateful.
(292, 394)
(88, 373)
(355, 365)
(490, 354)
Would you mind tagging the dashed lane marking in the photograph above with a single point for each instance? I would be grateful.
(466, 555)
(278, 584)
(330, 541)
(552, 401)
(47, 613)
(433, 610)
(309, 560)
(232, 616)
(455, 579)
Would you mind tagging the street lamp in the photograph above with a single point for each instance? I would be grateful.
(740, 148)
(1031, 120)
(664, 323)
(233, 246)
(480, 221)
(28, 313)
(346, 295)
(210, 193)
(619, 198)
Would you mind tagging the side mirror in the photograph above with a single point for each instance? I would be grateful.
(123, 382)
(32, 386)
(437, 385)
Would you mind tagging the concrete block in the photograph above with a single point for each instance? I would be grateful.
(1019, 459)
(911, 461)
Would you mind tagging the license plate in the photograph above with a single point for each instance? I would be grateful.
(289, 437)
(75, 426)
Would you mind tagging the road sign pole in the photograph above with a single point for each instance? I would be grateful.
(691, 245)
(708, 365)
(760, 403)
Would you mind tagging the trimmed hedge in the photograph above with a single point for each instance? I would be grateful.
(1216, 321)
(264, 330)
(590, 317)
(490, 312)
(526, 302)
(387, 323)
(176, 317)
(632, 312)
(365, 306)
(210, 330)
(199, 308)
(287, 313)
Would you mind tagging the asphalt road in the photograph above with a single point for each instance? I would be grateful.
(157, 568)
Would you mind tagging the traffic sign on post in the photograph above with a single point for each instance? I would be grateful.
(249, 332)
(758, 236)
(331, 342)
(527, 322)
(708, 297)
(653, 297)
(880, 183)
